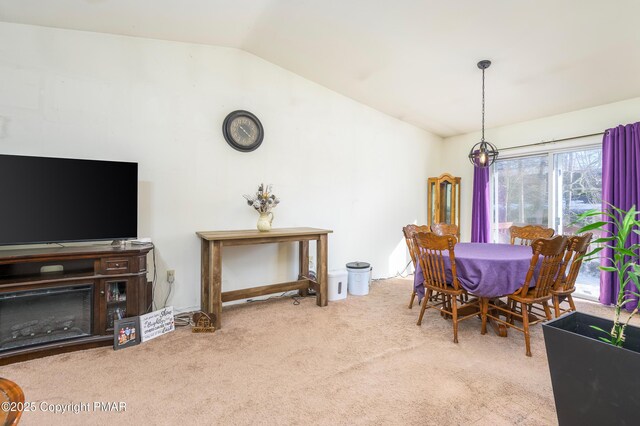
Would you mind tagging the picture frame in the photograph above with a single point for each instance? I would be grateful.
(126, 332)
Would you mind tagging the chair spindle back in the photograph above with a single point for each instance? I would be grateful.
(577, 247)
(549, 253)
(409, 231)
(430, 249)
(528, 233)
(444, 229)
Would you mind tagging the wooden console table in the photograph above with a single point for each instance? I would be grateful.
(211, 266)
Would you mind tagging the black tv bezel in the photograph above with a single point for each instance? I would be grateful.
(86, 240)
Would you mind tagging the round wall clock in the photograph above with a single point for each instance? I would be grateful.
(243, 131)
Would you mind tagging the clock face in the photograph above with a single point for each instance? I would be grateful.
(243, 131)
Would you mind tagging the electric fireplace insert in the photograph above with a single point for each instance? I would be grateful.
(39, 316)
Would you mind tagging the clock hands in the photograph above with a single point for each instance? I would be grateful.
(245, 132)
(242, 131)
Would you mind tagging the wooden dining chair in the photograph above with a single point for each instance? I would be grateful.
(577, 247)
(546, 262)
(444, 229)
(431, 255)
(526, 234)
(409, 231)
(447, 229)
(12, 394)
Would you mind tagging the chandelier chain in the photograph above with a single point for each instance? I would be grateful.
(483, 154)
(482, 105)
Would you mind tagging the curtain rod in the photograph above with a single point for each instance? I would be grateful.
(551, 141)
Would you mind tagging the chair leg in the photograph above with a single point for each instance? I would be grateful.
(446, 306)
(547, 310)
(556, 305)
(525, 327)
(422, 309)
(511, 306)
(484, 304)
(413, 296)
(570, 299)
(454, 311)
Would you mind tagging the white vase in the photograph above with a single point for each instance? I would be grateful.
(264, 222)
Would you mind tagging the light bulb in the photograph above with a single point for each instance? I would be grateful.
(482, 158)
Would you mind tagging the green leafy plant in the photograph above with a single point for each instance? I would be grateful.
(624, 261)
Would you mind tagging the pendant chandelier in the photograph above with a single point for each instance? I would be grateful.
(484, 153)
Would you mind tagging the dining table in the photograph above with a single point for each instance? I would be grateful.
(485, 270)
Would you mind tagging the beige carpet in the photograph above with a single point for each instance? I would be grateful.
(358, 361)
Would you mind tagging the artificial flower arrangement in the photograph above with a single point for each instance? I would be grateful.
(264, 200)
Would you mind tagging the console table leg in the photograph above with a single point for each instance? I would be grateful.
(205, 277)
(304, 264)
(216, 281)
(322, 249)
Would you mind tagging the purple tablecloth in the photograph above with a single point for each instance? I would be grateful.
(485, 270)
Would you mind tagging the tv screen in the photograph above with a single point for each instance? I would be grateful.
(44, 200)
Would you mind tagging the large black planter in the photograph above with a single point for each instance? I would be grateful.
(594, 383)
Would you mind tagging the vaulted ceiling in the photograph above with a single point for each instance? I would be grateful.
(411, 59)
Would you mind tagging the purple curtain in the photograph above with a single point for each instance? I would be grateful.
(621, 188)
(480, 211)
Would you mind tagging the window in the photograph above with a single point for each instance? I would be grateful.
(521, 194)
(549, 189)
(578, 187)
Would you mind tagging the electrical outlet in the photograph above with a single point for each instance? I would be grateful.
(171, 276)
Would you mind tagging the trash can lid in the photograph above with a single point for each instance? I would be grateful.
(358, 265)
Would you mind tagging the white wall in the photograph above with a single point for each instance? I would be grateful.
(334, 163)
(576, 123)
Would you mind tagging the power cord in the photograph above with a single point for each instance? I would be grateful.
(398, 274)
(152, 304)
(184, 319)
(293, 294)
(166, 299)
(180, 320)
(297, 298)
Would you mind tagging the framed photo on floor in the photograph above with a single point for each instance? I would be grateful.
(126, 332)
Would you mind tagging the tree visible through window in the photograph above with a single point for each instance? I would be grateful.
(579, 189)
(580, 186)
(521, 194)
(549, 189)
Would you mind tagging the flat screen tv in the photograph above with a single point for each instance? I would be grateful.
(47, 200)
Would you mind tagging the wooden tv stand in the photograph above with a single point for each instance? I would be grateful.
(115, 277)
